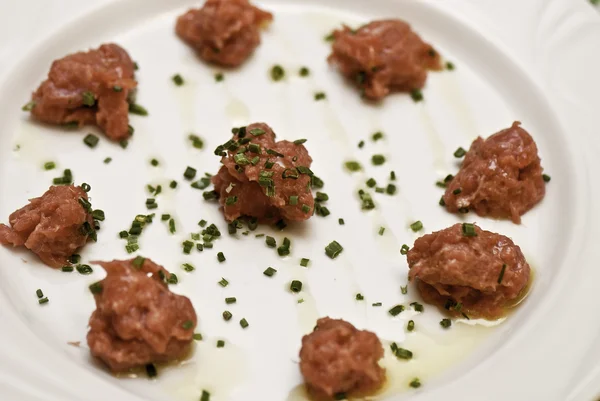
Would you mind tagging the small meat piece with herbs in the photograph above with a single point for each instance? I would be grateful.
(223, 32)
(138, 320)
(382, 57)
(52, 226)
(263, 178)
(90, 87)
(336, 358)
(500, 177)
(467, 270)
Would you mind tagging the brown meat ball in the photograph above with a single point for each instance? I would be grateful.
(383, 56)
(138, 320)
(500, 177)
(264, 179)
(88, 88)
(52, 226)
(336, 358)
(224, 32)
(465, 269)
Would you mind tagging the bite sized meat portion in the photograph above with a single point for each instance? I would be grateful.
(500, 177)
(88, 88)
(224, 32)
(382, 57)
(263, 178)
(337, 358)
(138, 320)
(465, 269)
(52, 226)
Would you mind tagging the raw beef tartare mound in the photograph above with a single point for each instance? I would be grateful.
(262, 178)
(500, 177)
(468, 270)
(138, 320)
(88, 88)
(52, 226)
(224, 32)
(382, 57)
(336, 358)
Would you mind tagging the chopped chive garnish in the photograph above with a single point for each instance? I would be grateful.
(138, 262)
(91, 140)
(86, 187)
(442, 202)
(417, 306)
(305, 208)
(284, 249)
(404, 289)
(304, 262)
(415, 383)
(188, 324)
(416, 226)
(377, 136)
(244, 323)
(468, 230)
(293, 200)
(359, 297)
(67, 269)
(361, 144)
(445, 323)
(280, 225)
(270, 241)
(396, 310)
(88, 98)
(49, 165)
(172, 279)
(39, 293)
(124, 143)
(172, 228)
(231, 200)
(188, 267)
(43, 300)
(74, 258)
(227, 315)
(173, 184)
(84, 269)
(501, 276)
(151, 370)
(380, 190)
(123, 234)
(107, 160)
(205, 396)
(219, 77)
(353, 166)
(29, 106)
(316, 182)
(197, 142)
(381, 230)
(333, 249)
(277, 73)
(321, 197)
(416, 95)
(230, 300)
(269, 272)
(117, 88)
(165, 217)
(221, 257)
(457, 191)
(411, 325)
(460, 152)
(463, 210)
(546, 177)
(197, 336)
(401, 353)
(220, 344)
(390, 189)
(341, 222)
(376, 304)
(371, 182)
(135, 108)
(95, 288)
(378, 160)
(154, 162)
(299, 141)
(178, 79)
(189, 173)
(450, 65)
(296, 286)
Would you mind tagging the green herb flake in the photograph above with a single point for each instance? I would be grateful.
(269, 272)
(135, 108)
(296, 286)
(178, 80)
(416, 95)
(333, 249)
(91, 140)
(416, 226)
(223, 282)
(378, 160)
(460, 152)
(320, 96)
(304, 72)
(396, 310)
(304, 262)
(445, 323)
(277, 73)
(353, 166)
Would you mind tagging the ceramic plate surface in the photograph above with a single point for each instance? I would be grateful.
(546, 349)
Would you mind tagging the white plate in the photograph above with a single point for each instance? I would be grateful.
(530, 356)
